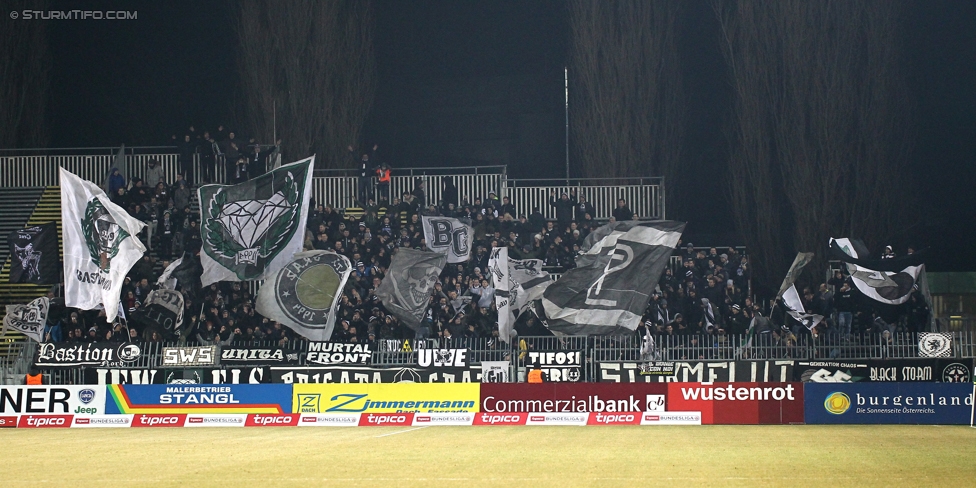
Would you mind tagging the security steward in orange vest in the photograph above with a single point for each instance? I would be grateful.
(34, 377)
(383, 183)
(535, 374)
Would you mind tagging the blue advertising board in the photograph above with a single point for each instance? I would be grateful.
(197, 398)
(888, 403)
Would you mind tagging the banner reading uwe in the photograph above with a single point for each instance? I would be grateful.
(891, 403)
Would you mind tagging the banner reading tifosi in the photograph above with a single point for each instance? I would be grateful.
(385, 398)
(739, 403)
(573, 397)
(661, 371)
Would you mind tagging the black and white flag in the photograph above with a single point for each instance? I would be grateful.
(405, 291)
(28, 319)
(163, 309)
(304, 294)
(791, 298)
(449, 236)
(889, 281)
(100, 245)
(609, 289)
(34, 254)
(251, 230)
(517, 283)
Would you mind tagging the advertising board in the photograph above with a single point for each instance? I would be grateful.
(198, 399)
(68, 399)
(691, 371)
(940, 370)
(573, 397)
(890, 403)
(385, 398)
(743, 403)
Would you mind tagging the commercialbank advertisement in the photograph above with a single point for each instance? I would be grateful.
(740, 403)
(200, 399)
(892, 403)
(385, 397)
(573, 397)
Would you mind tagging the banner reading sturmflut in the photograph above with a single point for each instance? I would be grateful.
(305, 293)
(251, 230)
(100, 245)
(609, 289)
(405, 291)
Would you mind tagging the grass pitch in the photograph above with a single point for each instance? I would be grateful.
(493, 456)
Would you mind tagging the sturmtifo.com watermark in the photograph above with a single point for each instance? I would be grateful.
(74, 15)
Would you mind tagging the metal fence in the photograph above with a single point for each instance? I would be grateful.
(645, 196)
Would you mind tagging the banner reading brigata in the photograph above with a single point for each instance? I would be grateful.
(385, 398)
(182, 399)
(891, 403)
(573, 397)
(739, 403)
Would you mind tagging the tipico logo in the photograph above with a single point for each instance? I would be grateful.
(837, 403)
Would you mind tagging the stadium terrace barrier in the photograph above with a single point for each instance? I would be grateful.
(644, 196)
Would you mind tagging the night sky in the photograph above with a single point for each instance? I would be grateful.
(468, 83)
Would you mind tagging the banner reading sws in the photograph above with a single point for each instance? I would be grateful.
(386, 398)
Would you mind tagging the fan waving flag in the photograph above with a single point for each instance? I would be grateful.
(34, 254)
(609, 289)
(251, 230)
(304, 294)
(405, 291)
(889, 281)
(449, 236)
(100, 245)
(28, 319)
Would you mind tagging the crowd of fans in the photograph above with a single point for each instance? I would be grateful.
(708, 295)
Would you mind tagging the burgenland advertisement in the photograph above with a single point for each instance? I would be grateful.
(891, 403)
(198, 399)
(739, 403)
(385, 398)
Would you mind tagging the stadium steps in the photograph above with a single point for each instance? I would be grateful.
(42, 205)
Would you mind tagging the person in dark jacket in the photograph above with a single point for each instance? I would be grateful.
(115, 181)
(257, 160)
(583, 208)
(187, 148)
(564, 208)
(622, 212)
(449, 192)
(366, 171)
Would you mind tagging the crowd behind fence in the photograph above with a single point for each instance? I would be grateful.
(594, 349)
(645, 196)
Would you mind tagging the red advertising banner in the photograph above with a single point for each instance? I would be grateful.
(158, 420)
(44, 421)
(573, 397)
(271, 420)
(739, 403)
(386, 419)
(514, 418)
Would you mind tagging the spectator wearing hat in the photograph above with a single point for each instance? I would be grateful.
(737, 322)
(583, 208)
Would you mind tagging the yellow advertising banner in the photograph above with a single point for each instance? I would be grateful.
(385, 397)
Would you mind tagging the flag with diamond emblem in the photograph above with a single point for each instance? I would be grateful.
(251, 230)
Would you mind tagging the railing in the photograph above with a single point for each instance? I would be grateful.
(644, 196)
(594, 349)
(340, 187)
(955, 324)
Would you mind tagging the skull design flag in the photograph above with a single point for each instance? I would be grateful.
(305, 293)
(609, 289)
(34, 254)
(251, 230)
(405, 291)
(100, 245)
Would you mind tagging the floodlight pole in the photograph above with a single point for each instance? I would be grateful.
(566, 107)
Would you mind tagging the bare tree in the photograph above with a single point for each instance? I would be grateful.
(625, 87)
(312, 63)
(819, 139)
(24, 78)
